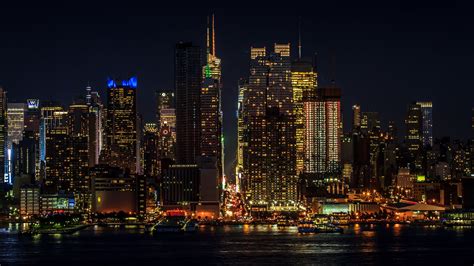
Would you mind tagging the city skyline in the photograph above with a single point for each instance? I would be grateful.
(330, 133)
(65, 75)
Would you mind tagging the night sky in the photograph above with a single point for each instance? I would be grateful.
(386, 55)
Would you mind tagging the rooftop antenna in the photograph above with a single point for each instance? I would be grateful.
(299, 38)
(333, 67)
(213, 36)
(207, 39)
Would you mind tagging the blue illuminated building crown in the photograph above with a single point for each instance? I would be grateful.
(131, 83)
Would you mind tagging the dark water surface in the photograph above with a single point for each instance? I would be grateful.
(395, 244)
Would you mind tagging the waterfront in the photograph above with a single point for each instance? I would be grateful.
(388, 244)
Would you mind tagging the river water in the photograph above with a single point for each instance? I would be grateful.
(259, 244)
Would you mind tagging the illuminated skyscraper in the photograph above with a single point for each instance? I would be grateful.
(210, 104)
(96, 122)
(32, 124)
(56, 149)
(188, 80)
(166, 115)
(414, 127)
(164, 100)
(303, 80)
(269, 158)
(77, 164)
(241, 137)
(16, 124)
(322, 136)
(356, 116)
(332, 103)
(414, 135)
(3, 136)
(315, 135)
(121, 126)
(427, 121)
(151, 150)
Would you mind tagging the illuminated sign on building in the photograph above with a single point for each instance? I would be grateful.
(32, 103)
(421, 178)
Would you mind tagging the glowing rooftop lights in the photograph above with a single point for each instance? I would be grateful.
(131, 83)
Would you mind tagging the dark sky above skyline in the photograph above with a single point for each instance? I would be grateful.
(386, 54)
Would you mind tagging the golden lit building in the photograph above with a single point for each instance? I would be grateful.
(267, 140)
(303, 80)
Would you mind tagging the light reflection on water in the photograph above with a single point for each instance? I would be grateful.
(250, 244)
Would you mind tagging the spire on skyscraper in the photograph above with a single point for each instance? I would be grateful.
(299, 38)
(213, 37)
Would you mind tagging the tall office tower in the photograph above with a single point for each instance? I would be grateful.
(315, 135)
(151, 165)
(32, 124)
(356, 116)
(414, 128)
(78, 150)
(323, 132)
(165, 100)
(427, 122)
(166, 123)
(121, 125)
(3, 136)
(332, 100)
(56, 150)
(188, 79)
(16, 123)
(269, 158)
(241, 138)
(370, 126)
(96, 132)
(303, 80)
(210, 106)
(26, 156)
(369, 121)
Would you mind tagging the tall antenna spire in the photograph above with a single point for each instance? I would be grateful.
(207, 38)
(213, 36)
(299, 38)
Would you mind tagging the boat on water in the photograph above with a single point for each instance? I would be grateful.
(175, 221)
(283, 221)
(319, 223)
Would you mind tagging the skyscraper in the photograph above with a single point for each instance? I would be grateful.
(77, 164)
(322, 135)
(210, 104)
(96, 123)
(427, 122)
(414, 135)
(303, 80)
(56, 150)
(121, 125)
(414, 128)
(188, 80)
(166, 124)
(3, 136)
(314, 135)
(164, 100)
(356, 116)
(269, 159)
(16, 124)
(151, 150)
